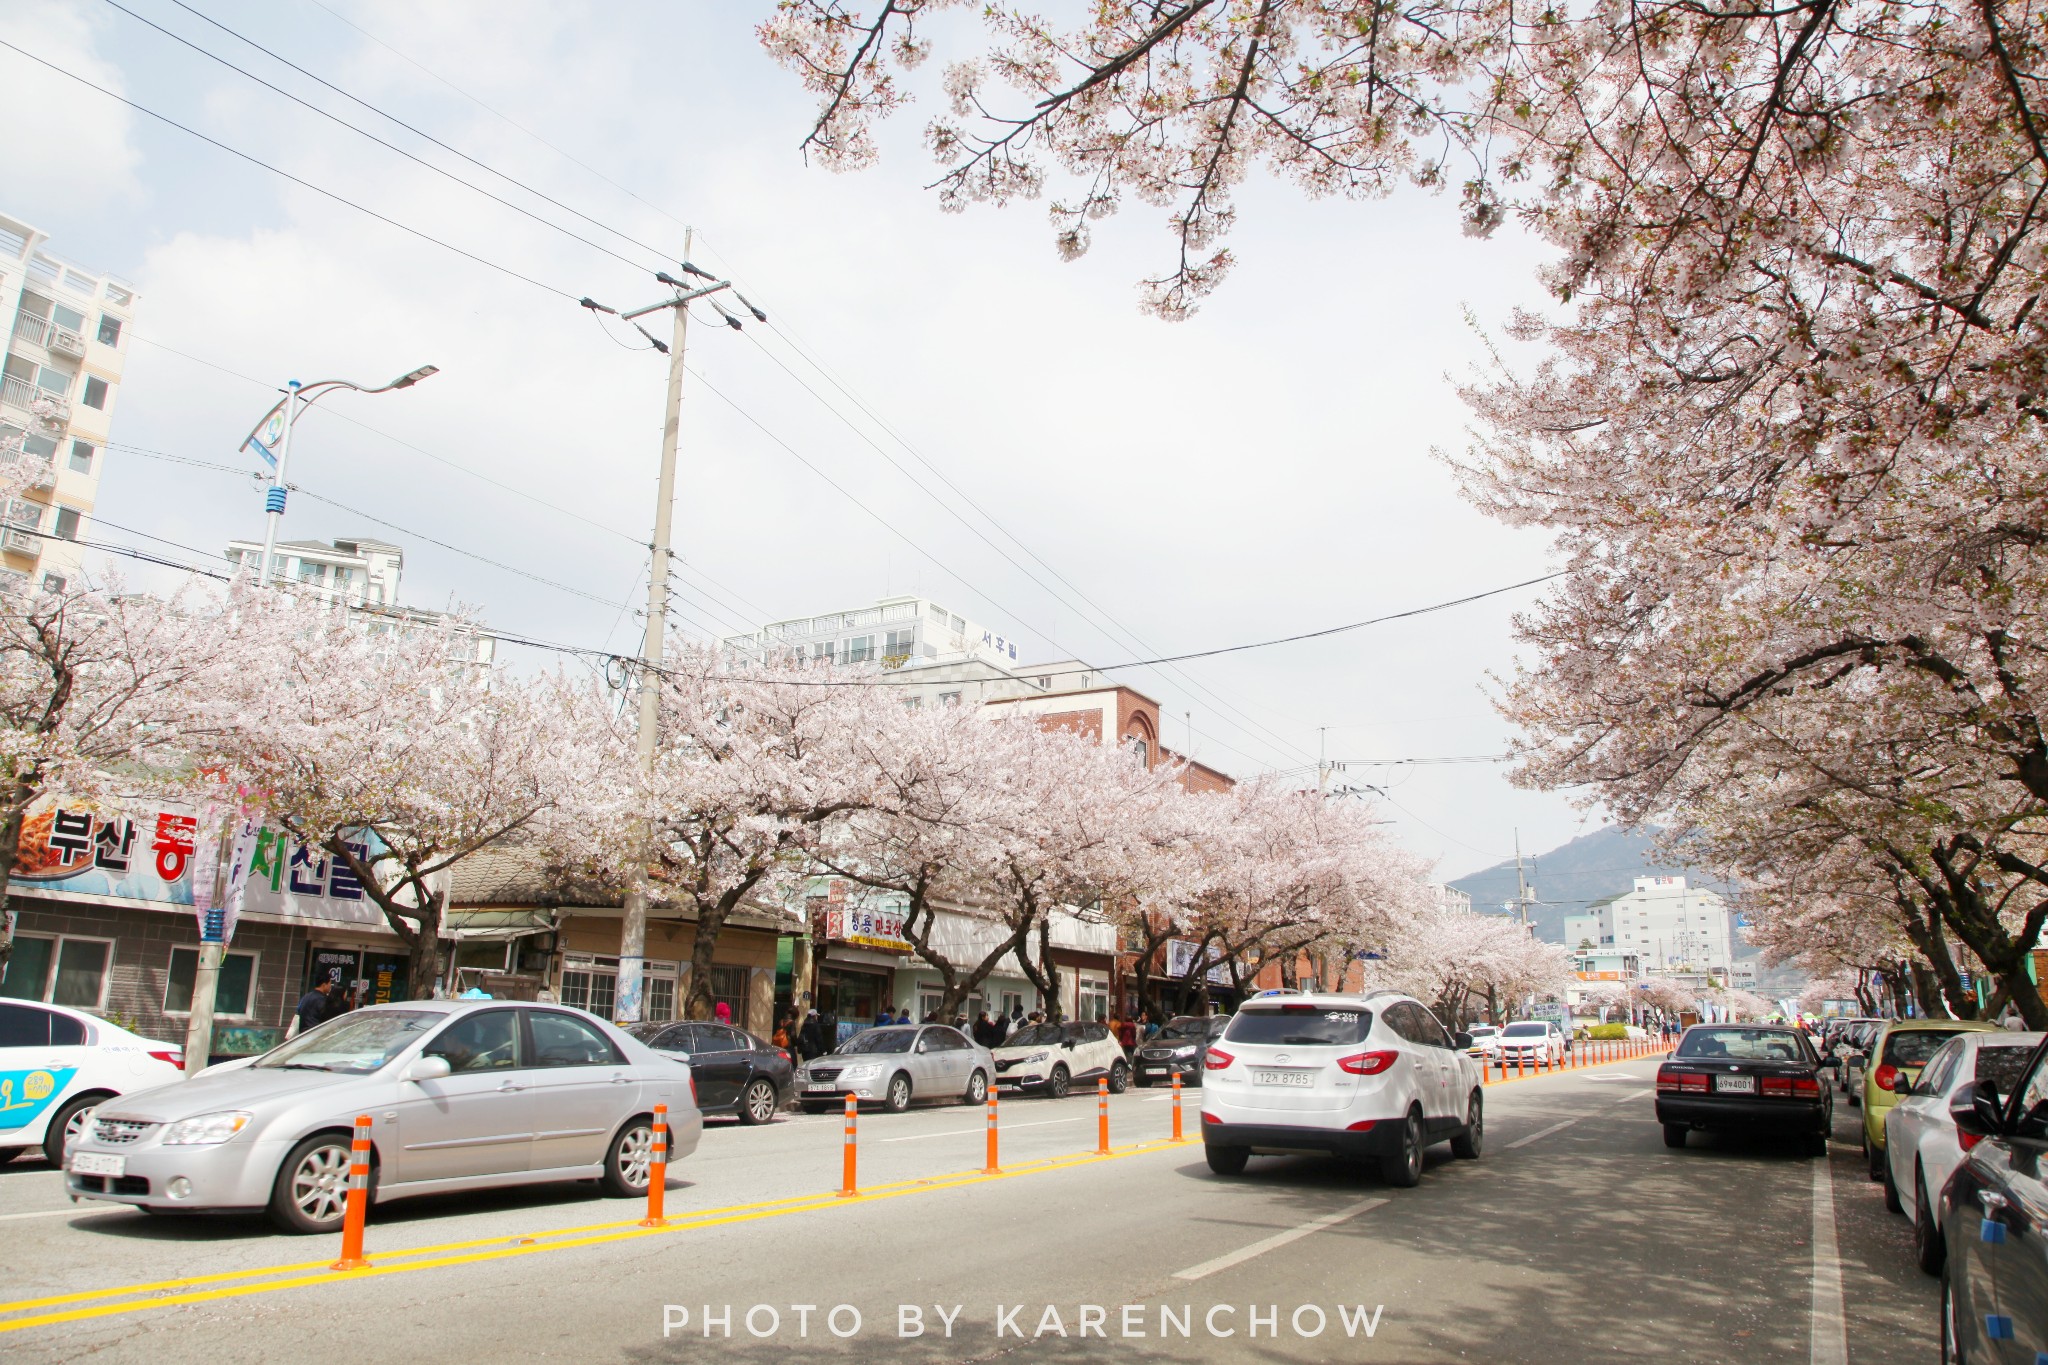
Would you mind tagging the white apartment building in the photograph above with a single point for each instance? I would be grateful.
(67, 341)
(1674, 929)
(360, 572)
(895, 631)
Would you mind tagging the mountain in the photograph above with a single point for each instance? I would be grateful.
(1567, 879)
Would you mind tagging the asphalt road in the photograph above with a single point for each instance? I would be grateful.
(1578, 1236)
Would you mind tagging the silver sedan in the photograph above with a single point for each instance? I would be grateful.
(898, 1066)
(461, 1095)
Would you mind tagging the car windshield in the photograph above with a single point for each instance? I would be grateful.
(1739, 1044)
(1189, 1026)
(1912, 1047)
(2002, 1064)
(1483, 1030)
(880, 1040)
(1035, 1035)
(1299, 1026)
(356, 1044)
(1526, 1030)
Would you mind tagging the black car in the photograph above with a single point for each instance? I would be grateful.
(1179, 1049)
(1745, 1078)
(736, 1072)
(1994, 1218)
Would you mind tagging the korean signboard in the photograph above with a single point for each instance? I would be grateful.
(1180, 956)
(871, 921)
(150, 853)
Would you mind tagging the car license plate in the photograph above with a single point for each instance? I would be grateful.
(1152, 1070)
(1283, 1077)
(98, 1163)
(1735, 1085)
(820, 1085)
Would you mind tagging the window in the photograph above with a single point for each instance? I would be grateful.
(70, 319)
(590, 990)
(488, 1041)
(81, 457)
(24, 1026)
(1141, 751)
(53, 582)
(899, 644)
(310, 572)
(658, 1000)
(234, 993)
(67, 523)
(110, 330)
(949, 698)
(860, 649)
(40, 446)
(564, 1040)
(825, 650)
(959, 625)
(938, 613)
(730, 985)
(55, 382)
(63, 971)
(1092, 997)
(95, 393)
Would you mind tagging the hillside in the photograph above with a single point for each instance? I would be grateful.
(1603, 863)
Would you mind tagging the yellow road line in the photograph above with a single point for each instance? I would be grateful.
(425, 1258)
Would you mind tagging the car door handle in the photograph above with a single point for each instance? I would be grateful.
(622, 1080)
(509, 1087)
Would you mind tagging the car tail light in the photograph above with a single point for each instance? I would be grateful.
(693, 1091)
(1805, 1085)
(783, 1053)
(1774, 1085)
(1688, 1081)
(1208, 1117)
(1967, 1140)
(1886, 1077)
(1362, 1126)
(173, 1056)
(1368, 1063)
(1217, 1060)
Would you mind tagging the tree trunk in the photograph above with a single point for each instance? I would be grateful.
(10, 849)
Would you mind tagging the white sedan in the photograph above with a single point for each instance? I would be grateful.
(1531, 1042)
(1921, 1145)
(57, 1064)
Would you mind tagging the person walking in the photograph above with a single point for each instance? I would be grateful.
(312, 1007)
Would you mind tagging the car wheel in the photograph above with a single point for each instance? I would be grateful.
(1854, 1103)
(311, 1191)
(1674, 1134)
(67, 1126)
(1403, 1168)
(1227, 1160)
(1119, 1078)
(1928, 1247)
(1060, 1082)
(898, 1097)
(629, 1165)
(1817, 1143)
(1467, 1145)
(757, 1104)
(977, 1089)
(1873, 1158)
(1891, 1188)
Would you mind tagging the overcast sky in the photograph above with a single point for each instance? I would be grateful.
(1261, 470)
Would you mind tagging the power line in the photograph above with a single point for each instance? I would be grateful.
(306, 184)
(359, 131)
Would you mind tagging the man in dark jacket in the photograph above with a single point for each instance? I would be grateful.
(810, 1039)
(313, 1005)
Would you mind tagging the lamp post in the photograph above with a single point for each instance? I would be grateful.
(272, 439)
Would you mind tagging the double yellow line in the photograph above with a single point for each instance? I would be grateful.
(135, 1298)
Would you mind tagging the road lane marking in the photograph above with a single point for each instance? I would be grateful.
(1275, 1242)
(1829, 1332)
(1634, 1095)
(1553, 1128)
(960, 1132)
(503, 1247)
(57, 1213)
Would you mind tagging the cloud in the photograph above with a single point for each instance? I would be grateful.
(65, 143)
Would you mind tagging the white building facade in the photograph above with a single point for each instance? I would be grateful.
(1673, 929)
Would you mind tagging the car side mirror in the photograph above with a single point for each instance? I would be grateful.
(1461, 1039)
(1831, 1063)
(428, 1069)
(924, 1045)
(1975, 1109)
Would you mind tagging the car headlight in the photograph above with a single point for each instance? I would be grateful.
(1184, 1051)
(860, 1073)
(1034, 1057)
(206, 1128)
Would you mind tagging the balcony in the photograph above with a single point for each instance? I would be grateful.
(31, 328)
(18, 392)
(64, 341)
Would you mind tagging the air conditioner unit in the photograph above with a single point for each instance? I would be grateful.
(65, 342)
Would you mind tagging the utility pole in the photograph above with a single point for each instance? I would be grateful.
(633, 929)
(1521, 883)
(1322, 758)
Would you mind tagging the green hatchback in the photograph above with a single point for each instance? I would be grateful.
(1897, 1053)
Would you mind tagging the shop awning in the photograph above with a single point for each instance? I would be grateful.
(471, 926)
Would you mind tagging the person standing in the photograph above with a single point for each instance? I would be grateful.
(312, 1007)
(811, 1037)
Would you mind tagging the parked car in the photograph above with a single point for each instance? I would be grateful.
(736, 1073)
(1921, 1144)
(1051, 1057)
(1531, 1042)
(465, 1095)
(898, 1066)
(1900, 1048)
(1485, 1041)
(1363, 1077)
(57, 1064)
(1851, 1051)
(1745, 1078)
(1994, 1220)
(1180, 1049)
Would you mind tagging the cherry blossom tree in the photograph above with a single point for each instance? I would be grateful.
(1454, 958)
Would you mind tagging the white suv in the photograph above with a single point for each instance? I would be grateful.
(1353, 1076)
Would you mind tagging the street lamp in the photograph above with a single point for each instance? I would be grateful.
(272, 439)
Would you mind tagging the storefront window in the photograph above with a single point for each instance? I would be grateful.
(62, 971)
(1094, 998)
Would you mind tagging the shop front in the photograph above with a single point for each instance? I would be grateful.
(859, 950)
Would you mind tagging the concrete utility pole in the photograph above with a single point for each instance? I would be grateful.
(633, 930)
(1521, 883)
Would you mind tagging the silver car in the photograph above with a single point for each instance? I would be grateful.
(461, 1095)
(898, 1066)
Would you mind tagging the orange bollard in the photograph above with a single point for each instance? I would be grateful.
(992, 1168)
(1518, 1064)
(847, 1187)
(1102, 1118)
(1176, 1108)
(358, 1208)
(657, 1170)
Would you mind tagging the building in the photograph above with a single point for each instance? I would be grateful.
(894, 631)
(1676, 930)
(67, 341)
(362, 573)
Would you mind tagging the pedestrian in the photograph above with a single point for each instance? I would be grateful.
(903, 1015)
(1127, 1034)
(781, 1038)
(884, 1018)
(811, 1038)
(312, 1007)
(983, 1030)
(722, 1012)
